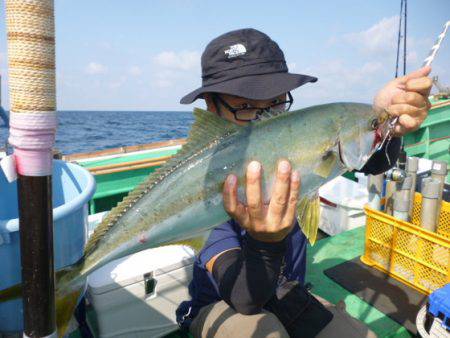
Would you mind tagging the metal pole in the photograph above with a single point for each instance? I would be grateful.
(403, 194)
(411, 168)
(430, 193)
(401, 207)
(439, 173)
(375, 187)
(31, 57)
(393, 177)
(389, 196)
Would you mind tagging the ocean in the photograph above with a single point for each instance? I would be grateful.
(85, 131)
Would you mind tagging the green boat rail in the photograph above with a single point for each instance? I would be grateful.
(117, 171)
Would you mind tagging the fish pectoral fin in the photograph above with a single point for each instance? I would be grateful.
(325, 167)
(308, 215)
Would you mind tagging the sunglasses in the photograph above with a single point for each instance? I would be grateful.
(247, 113)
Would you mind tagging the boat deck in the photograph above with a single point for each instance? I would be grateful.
(325, 254)
(332, 251)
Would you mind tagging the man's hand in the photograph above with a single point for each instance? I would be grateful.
(406, 97)
(267, 223)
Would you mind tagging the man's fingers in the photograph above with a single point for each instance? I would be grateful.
(411, 98)
(406, 124)
(424, 71)
(231, 203)
(280, 194)
(410, 117)
(420, 85)
(399, 130)
(410, 123)
(406, 109)
(254, 191)
(293, 198)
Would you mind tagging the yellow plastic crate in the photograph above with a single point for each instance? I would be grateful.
(415, 256)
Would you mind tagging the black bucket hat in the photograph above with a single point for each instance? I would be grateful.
(246, 63)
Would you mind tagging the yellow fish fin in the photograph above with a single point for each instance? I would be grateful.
(327, 164)
(308, 215)
(196, 243)
(65, 307)
(11, 293)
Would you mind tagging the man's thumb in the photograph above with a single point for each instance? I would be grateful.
(424, 71)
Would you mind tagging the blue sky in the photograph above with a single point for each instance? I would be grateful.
(145, 55)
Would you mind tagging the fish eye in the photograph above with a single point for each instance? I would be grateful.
(245, 106)
(374, 124)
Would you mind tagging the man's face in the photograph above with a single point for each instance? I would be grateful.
(239, 102)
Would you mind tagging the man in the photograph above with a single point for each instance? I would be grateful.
(240, 274)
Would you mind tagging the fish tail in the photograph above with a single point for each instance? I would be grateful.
(11, 293)
(70, 286)
(65, 307)
(65, 304)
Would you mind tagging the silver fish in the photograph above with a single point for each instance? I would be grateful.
(184, 197)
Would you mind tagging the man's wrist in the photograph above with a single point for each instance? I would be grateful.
(275, 247)
(268, 237)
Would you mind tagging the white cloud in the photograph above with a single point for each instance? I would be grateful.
(184, 60)
(135, 70)
(163, 83)
(94, 68)
(292, 66)
(342, 81)
(118, 83)
(380, 38)
(176, 70)
(105, 45)
(412, 57)
(371, 67)
(164, 78)
(379, 42)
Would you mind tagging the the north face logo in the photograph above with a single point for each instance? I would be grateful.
(235, 50)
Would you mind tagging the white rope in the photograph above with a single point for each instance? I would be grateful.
(31, 55)
(429, 59)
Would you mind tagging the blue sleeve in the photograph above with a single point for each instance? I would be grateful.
(222, 237)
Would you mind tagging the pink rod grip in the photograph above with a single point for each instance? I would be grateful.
(32, 135)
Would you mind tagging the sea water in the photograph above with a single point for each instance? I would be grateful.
(86, 131)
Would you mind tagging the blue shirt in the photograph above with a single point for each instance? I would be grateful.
(203, 288)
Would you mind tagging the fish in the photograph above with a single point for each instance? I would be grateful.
(183, 198)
